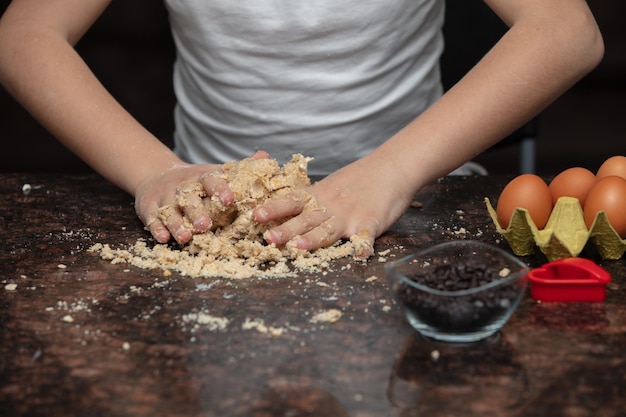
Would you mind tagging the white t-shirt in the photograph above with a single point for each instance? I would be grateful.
(331, 79)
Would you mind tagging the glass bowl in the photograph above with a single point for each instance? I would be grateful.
(460, 291)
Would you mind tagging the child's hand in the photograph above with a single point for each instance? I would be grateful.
(364, 198)
(161, 191)
(156, 200)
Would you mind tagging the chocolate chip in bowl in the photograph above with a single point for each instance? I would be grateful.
(460, 291)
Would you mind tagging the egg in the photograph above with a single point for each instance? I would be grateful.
(608, 195)
(615, 165)
(572, 182)
(528, 191)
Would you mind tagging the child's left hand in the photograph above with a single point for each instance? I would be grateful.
(364, 198)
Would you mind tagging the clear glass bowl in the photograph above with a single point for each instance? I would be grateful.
(461, 291)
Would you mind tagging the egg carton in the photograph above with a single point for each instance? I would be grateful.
(565, 234)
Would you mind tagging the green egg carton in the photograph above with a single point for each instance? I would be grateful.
(565, 235)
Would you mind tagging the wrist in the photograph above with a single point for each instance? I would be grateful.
(153, 166)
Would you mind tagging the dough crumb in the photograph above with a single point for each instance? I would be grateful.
(234, 246)
(260, 326)
(504, 272)
(328, 316)
(207, 320)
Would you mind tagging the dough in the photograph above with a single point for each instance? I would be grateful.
(234, 246)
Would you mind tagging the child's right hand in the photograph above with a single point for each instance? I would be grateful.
(161, 190)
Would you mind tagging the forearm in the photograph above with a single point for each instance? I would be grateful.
(542, 55)
(45, 74)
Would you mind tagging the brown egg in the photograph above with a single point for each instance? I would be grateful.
(527, 191)
(615, 165)
(608, 195)
(573, 182)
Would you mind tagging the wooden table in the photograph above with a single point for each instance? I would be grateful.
(82, 337)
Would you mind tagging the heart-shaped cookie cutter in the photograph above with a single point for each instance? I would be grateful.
(569, 280)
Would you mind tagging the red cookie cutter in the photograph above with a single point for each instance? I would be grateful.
(569, 280)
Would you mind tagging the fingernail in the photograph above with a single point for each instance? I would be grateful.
(160, 233)
(162, 236)
(260, 215)
(268, 236)
(299, 242)
(202, 224)
(272, 236)
(183, 235)
(226, 198)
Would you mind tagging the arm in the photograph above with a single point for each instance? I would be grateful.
(550, 45)
(41, 69)
(43, 72)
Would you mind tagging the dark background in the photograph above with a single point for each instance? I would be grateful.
(131, 51)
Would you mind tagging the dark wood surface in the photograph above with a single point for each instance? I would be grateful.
(82, 337)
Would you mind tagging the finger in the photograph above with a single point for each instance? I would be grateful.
(364, 239)
(329, 232)
(260, 155)
(189, 197)
(159, 231)
(217, 186)
(364, 244)
(299, 225)
(290, 205)
(197, 215)
(326, 234)
(152, 222)
(173, 220)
